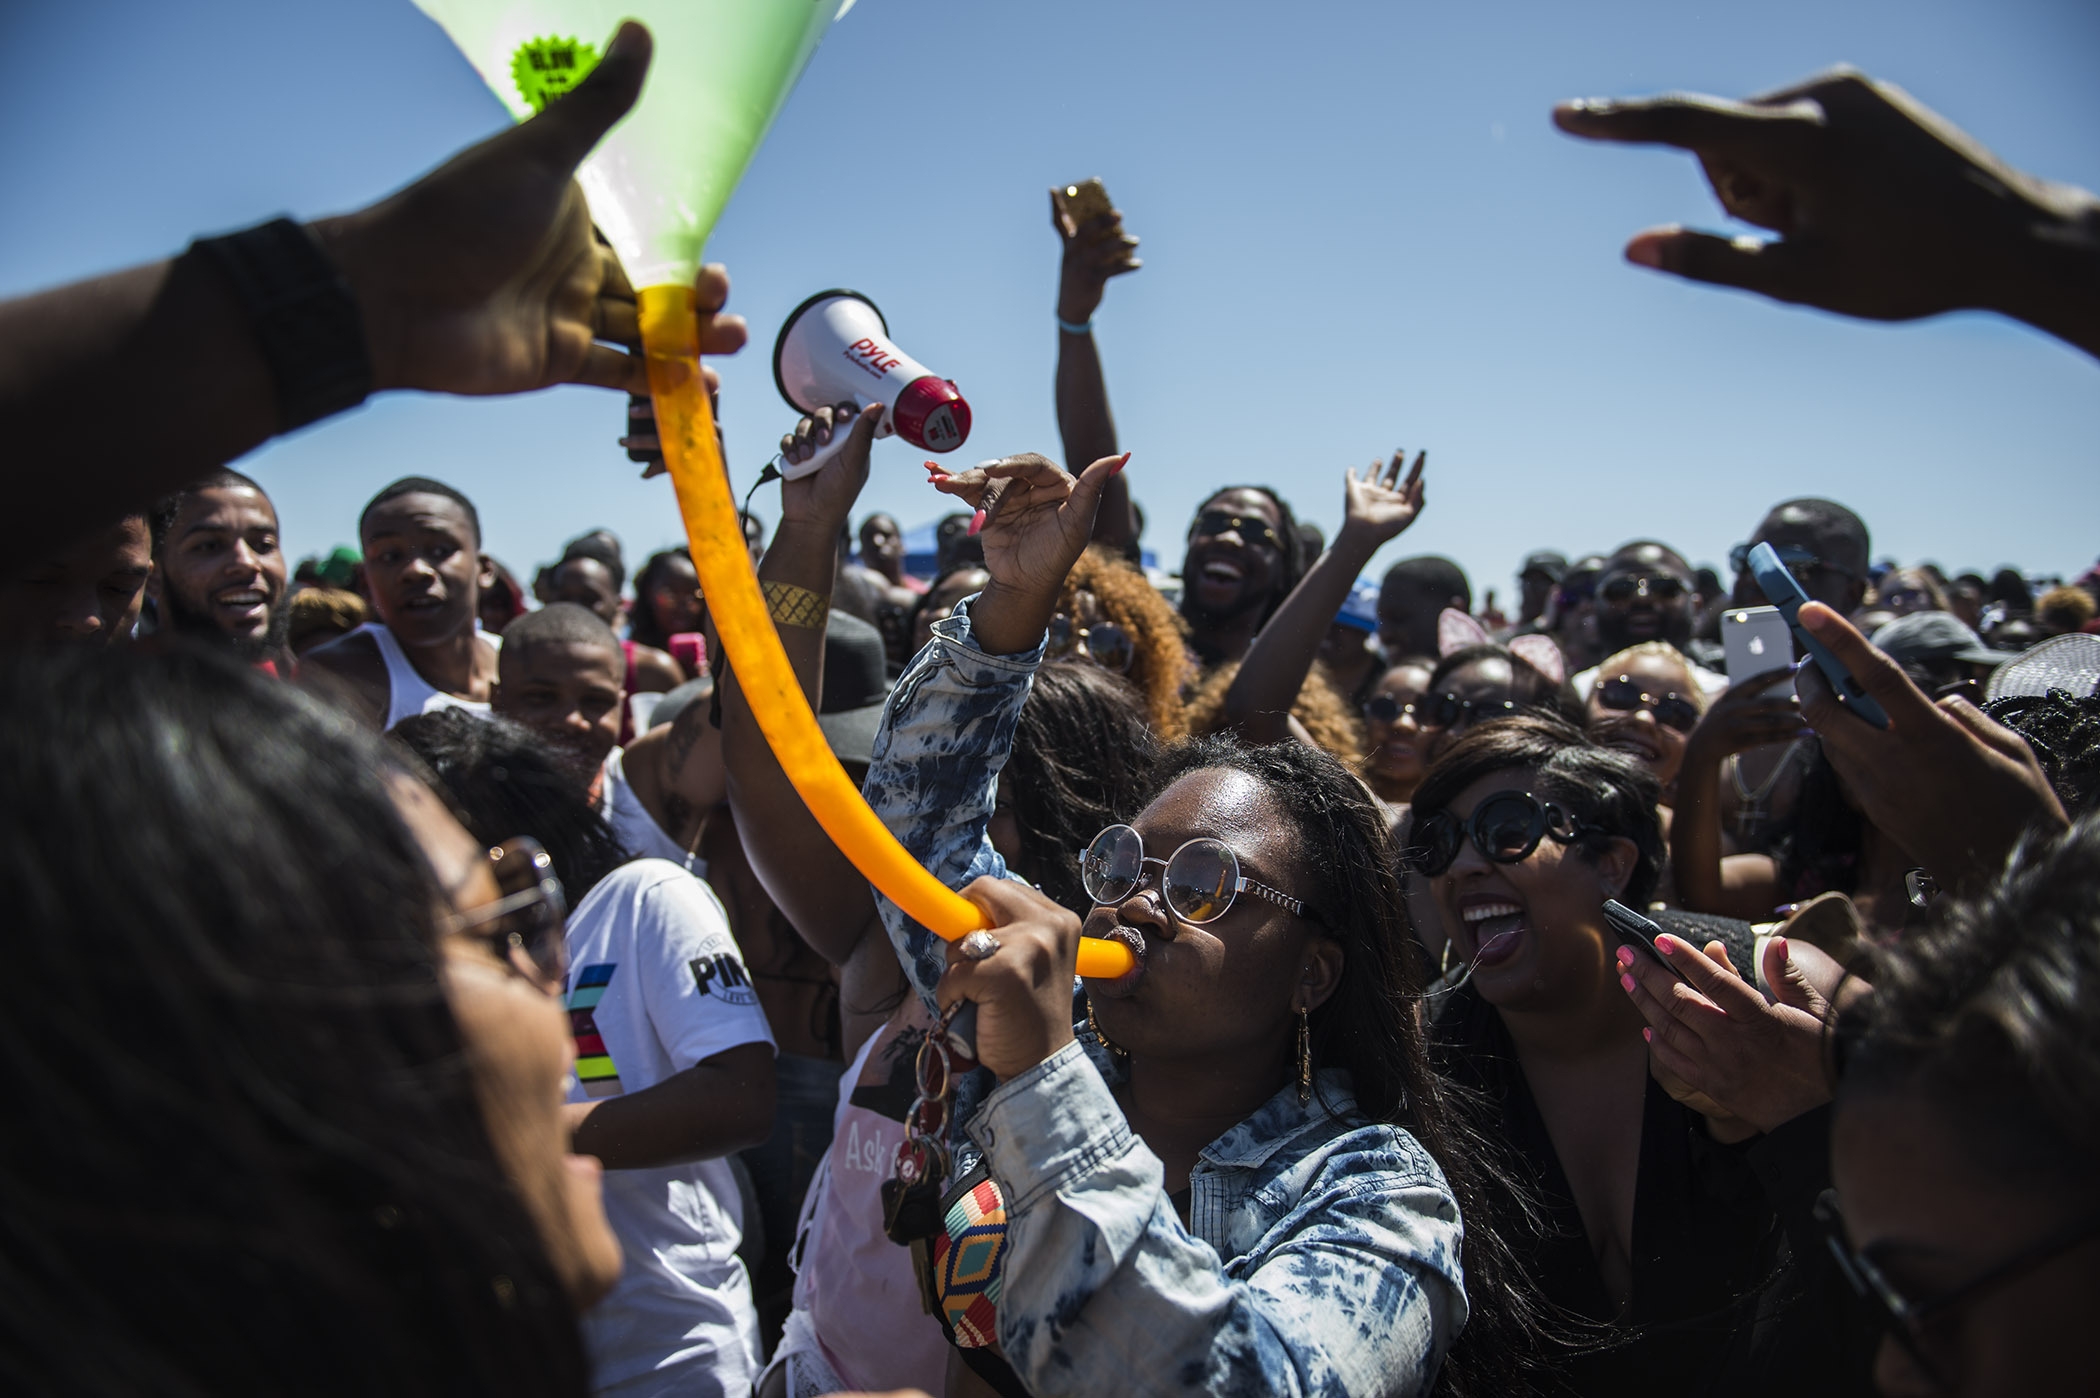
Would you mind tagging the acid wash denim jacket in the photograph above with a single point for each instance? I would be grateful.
(1323, 1252)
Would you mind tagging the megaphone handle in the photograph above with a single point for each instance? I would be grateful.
(829, 452)
(962, 1031)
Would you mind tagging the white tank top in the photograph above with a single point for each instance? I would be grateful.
(408, 693)
(856, 1289)
(632, 825)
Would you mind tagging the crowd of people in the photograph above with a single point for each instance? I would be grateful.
(434, 983)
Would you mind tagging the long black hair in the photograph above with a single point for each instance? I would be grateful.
(1371, 1027)
(1082, 755)
(498, 776)
(244, 1152)
(1988, 1013)
(1605, 790)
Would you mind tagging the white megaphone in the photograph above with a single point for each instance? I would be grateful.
(835, 347)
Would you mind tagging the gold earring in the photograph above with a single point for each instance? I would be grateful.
(1304, 1058)
(1095, 1030)
(1443, 963)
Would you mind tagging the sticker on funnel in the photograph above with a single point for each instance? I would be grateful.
(547, 68)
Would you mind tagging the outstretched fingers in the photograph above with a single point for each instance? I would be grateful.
(1690, 121)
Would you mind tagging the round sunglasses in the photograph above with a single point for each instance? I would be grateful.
(1105, 643)
(1671, 710)
(1198, 882)
(529, 916)
(1505, 828)
(1449, 711)
(1386, 709)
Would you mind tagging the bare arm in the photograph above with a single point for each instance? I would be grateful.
(483, 278)
(1093, 252)
(805, 875)
(1380, 507)
(717, 1107)
(1737, 885)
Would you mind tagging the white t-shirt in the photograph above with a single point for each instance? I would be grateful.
(632, 825)
(656, 985)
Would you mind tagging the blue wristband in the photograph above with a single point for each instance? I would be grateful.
(1085, 327)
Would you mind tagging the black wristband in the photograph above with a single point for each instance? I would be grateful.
(304, 315)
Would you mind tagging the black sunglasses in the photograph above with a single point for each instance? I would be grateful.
(1251, 528)
(1670, 710)
(1620, 590)
(1105, 643)
(1799, 561)
(1449, 711)
(1505, 828)
(1905, 1319)
(1386, 709)
(529, 916)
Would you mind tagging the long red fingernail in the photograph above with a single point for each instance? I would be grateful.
(1647, 1036)
(934, 467)
(1121, 464)
(976, 521)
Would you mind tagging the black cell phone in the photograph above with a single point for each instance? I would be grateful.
(1639, 933)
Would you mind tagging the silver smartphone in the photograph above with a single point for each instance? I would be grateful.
(1756, 641)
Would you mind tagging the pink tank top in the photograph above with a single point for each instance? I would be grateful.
(858, 1287)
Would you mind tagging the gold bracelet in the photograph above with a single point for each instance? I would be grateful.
(795, 606)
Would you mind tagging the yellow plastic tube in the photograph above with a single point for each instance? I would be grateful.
(685, 425)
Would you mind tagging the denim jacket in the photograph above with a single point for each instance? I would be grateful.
(1323, 1252)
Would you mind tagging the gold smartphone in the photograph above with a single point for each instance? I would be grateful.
(1081, 202)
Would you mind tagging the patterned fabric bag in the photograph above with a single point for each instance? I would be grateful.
(961, 1267)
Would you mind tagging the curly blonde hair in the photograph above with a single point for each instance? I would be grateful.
(1319, 706)
(1160, 665)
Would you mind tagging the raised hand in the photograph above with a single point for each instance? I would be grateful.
(825, 498)
(1034, 520)
(1942, 780)
(1378, 505)
(1884, 209)
(484, 276)
(1094, 251)
(1023, 991)
(1713, 1035)
(1749, 715)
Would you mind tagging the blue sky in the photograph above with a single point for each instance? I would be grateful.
(1359, 227)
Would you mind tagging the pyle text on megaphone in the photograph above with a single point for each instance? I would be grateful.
(836, 348)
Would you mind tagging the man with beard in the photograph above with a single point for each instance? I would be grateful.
(1242, 561)
(425, 570)
(561, 675)
(218, 572)
(87, 593)
(1644, 593)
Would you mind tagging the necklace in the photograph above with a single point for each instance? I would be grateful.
(1750, 811)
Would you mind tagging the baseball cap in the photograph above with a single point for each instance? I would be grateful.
(1360, 607)
(1553, 565)
(1927, 636)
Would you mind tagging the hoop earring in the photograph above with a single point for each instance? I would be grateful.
(1304, 1058)
(1095, 1030)
(1443, 962)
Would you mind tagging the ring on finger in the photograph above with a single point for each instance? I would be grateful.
(979, 945)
